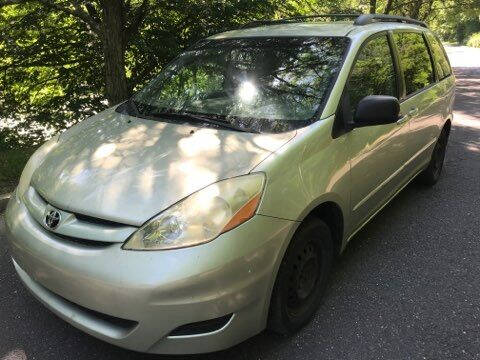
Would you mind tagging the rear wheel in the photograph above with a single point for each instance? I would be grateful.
(302, 278)
(433, 171)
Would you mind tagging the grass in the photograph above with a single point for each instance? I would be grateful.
(12, 163)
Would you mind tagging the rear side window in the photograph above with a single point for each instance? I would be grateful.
(414, 60)
(439, 57)
(373, 72)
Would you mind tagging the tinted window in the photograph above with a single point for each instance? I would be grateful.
(263, 84)
(373, 72)
(414, 60)
(441, 62)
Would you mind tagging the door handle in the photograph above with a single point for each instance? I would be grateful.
(403, 119)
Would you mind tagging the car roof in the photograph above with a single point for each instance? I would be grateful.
(295, 29)
(337, 28)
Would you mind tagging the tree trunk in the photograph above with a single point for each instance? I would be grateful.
(113, 39)
(373, 6)
(388, 7)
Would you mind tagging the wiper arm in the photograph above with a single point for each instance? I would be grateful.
(200, 118)
(134, 106)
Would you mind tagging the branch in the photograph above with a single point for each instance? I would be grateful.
(92, 12)
(76, 11)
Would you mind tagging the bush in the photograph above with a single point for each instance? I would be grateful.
(474, 40)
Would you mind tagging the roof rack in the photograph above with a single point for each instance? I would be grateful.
(374, 18)
(359, 19)
(256, 23)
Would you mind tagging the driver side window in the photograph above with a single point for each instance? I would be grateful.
(373, 72)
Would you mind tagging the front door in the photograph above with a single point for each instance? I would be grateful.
(377, 153)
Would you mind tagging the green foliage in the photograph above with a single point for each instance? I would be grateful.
(465, 29)
(50, 71)
(455, 20)
(474, 40)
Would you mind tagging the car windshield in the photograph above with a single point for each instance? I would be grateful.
(254, 84)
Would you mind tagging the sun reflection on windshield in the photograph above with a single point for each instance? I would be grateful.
(247, 92)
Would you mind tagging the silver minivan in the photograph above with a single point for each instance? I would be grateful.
(211, 204)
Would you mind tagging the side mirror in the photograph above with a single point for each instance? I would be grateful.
(376, 110)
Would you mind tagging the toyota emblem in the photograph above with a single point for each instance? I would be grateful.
(52, 220)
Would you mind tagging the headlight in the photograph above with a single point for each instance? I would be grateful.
(202, 216)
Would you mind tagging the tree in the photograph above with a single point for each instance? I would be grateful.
(114, 23)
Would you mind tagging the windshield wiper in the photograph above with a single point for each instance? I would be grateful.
(199, 118)
(134, 106)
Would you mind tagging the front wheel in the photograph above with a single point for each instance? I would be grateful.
(302, 278)
(432, 173)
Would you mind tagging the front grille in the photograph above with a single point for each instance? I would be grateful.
(97, 221)
(84, 218)
(82, 230)
(83, 242)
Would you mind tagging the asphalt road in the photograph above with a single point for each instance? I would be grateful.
(407, 286)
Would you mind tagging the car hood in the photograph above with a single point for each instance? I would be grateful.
(126, 169)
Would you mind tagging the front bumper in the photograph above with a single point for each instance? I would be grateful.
(153, 291)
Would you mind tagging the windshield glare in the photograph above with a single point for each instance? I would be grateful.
(263, 84)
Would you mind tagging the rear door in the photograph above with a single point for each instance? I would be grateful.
(445, 86)
(377, 153)
(420, 101)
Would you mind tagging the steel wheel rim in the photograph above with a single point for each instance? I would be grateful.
(304, 278)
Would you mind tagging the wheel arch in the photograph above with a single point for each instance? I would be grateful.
(326, 209)
(448, 126)
(331, 213)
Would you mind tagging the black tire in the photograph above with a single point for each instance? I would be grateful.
(302, 278)
(432, 173)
